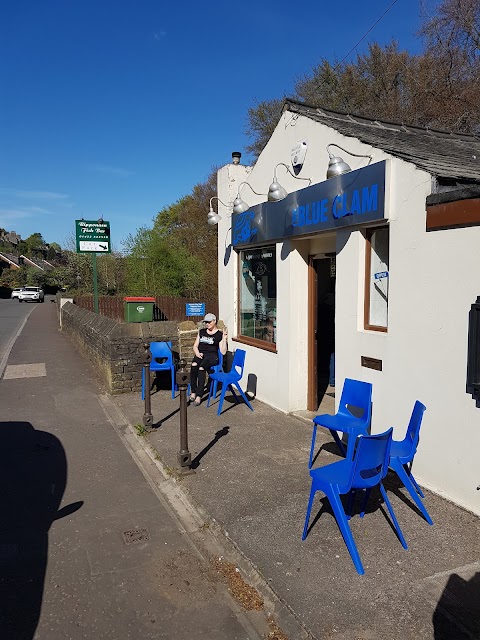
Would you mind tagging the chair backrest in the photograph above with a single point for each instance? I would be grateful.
(161, 351)
(356, 399)
(238, 362)
(413, 429)
(370, 463)
(218, 368)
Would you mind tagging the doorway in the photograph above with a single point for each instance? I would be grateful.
(322, 329)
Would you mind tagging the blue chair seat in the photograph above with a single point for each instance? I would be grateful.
(162, 360)
(353, 417)
(228, 381)
(362, 473)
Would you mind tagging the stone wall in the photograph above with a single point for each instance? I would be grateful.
(116, 348)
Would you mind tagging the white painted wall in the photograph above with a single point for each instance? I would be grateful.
(433, 282)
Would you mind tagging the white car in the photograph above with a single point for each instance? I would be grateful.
(15, 293)
(31, 294)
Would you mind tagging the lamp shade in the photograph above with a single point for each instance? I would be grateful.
(276, 192)
(337, 166)
(213, 218)
(239, 205)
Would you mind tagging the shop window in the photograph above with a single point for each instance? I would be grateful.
(258, 297)
(376, 279)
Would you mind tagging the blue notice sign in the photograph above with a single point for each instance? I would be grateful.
(380, 275)
(195, 309)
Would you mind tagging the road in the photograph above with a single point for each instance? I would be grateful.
(12, 318)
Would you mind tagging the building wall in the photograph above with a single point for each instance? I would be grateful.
(432, 284)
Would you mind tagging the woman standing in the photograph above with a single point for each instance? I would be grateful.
(208, 341)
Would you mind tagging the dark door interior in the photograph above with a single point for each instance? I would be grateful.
(325, 334)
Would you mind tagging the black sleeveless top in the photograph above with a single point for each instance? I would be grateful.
(209, 343)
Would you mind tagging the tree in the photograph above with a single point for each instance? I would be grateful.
(178, 256)
(437, 88)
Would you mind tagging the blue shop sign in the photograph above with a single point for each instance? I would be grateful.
(195, 309)
(354, 198)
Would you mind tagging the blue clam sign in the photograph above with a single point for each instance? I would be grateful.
(354, 198)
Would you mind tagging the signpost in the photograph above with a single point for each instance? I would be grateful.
(93, 236)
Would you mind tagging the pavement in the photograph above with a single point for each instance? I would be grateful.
(90, 547)
(244, 507)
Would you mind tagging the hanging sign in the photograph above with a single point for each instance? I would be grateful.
(92, 236)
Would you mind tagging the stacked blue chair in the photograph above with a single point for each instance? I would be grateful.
(402, 454)
(229, 380)
(356, 398)
(364, 472)
(162, 360)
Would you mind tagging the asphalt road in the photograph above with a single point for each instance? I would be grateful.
(12, 318)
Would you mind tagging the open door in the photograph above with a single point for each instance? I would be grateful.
(321, 328)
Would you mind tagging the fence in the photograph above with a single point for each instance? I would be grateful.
(166, 307)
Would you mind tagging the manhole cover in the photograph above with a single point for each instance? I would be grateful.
(136, 535)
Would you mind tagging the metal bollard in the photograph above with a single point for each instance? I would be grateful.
(147, 416)
(184, 457)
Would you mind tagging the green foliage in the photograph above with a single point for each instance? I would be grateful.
(178, 256)
(437, 88)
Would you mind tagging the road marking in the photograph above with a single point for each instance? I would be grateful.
(9, 346)
(35, 370)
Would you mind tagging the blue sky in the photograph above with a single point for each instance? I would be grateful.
(117, 109)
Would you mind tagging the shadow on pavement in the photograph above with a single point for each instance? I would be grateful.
(219, 434)
(457, 615)
(33, 475)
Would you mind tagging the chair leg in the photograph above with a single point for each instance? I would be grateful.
(342, 522)
(312, 446)
(365, 502)
(393, 517)
(338, 442)
(243, 396)
(222, 397)
(414, 482)
(351, 501)
(397, 466)
(309, 508)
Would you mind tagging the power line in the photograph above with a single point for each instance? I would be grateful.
(361, 39)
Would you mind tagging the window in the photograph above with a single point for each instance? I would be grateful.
(258, 295)
(376, 279)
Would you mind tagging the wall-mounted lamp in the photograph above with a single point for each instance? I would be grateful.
(337, 166)
(239, 205)
(212, 217)
(275, 191)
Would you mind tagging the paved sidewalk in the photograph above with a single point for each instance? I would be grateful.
(252, 481)
(89, 546)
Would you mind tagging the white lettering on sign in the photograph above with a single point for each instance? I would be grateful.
(89, 245)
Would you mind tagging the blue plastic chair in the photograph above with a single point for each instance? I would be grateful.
(402, 454)
(229, 380)
(356, 399)
(367, 470)
(160, 351)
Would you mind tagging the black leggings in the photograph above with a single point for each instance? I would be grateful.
(198, 372)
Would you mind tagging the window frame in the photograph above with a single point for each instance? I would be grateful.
(368, 274)
(239, 337)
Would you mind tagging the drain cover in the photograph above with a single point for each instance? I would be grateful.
(136, 535)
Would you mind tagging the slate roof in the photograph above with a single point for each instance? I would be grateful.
(447, 155)
(10, 257)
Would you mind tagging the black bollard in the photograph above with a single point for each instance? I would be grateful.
(184, 457)
(147, 416)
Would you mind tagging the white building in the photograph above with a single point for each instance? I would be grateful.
(380, 265)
